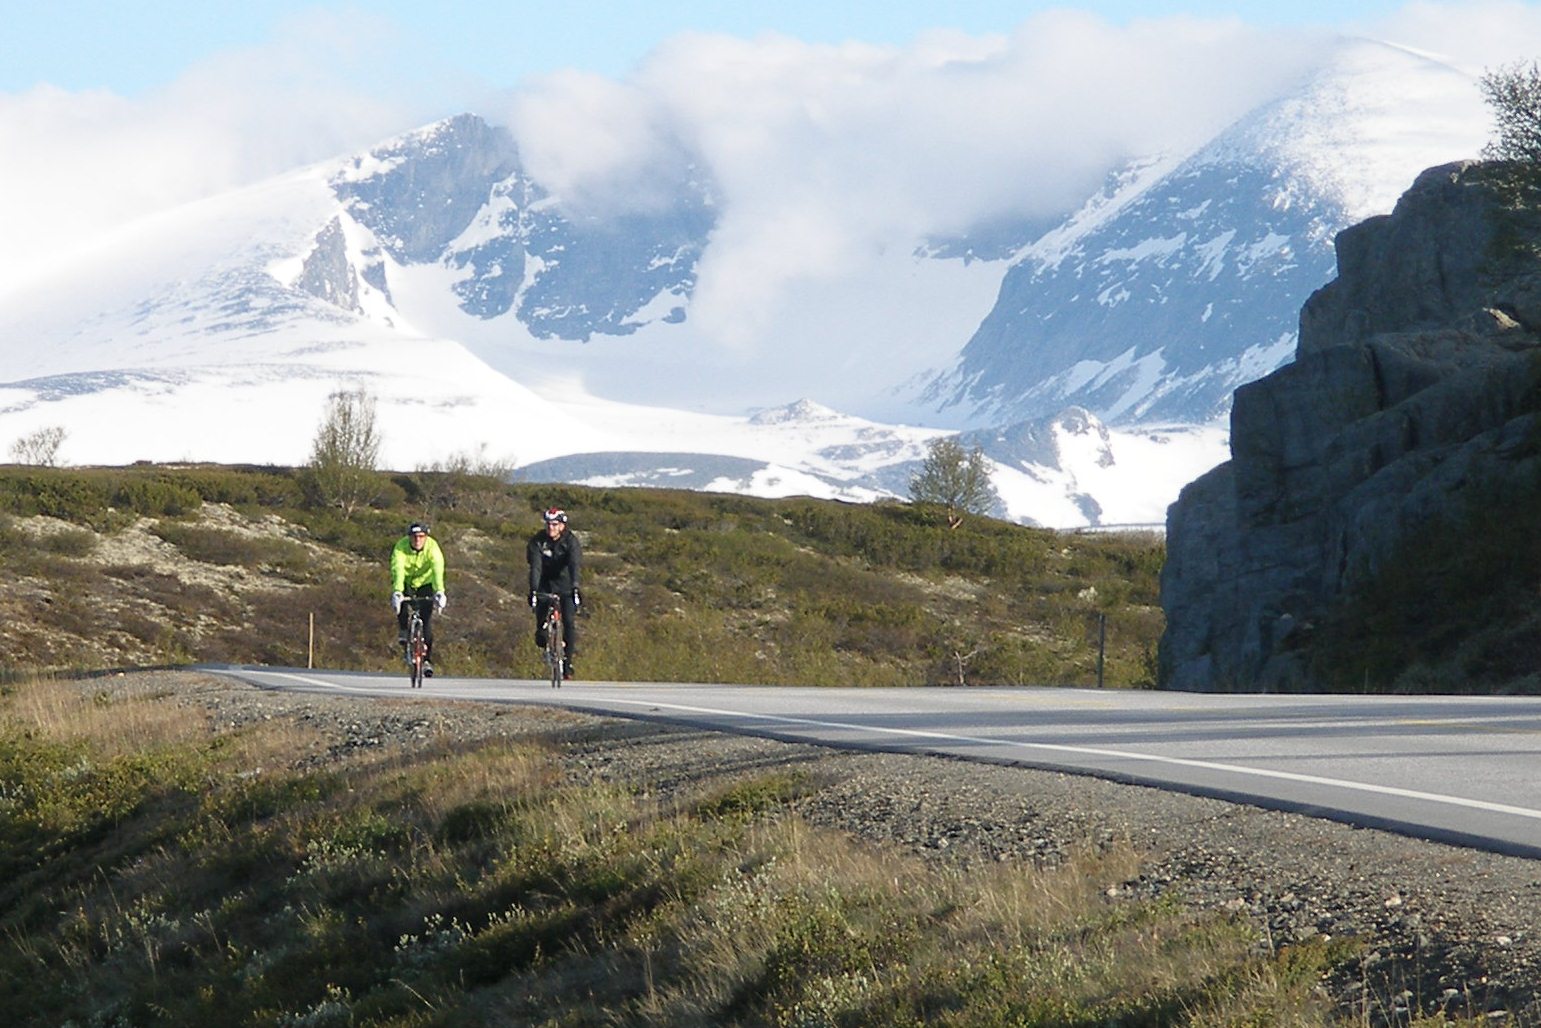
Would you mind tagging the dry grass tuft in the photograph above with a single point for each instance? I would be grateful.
(106, 721)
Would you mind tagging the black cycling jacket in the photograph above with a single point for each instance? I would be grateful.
(554, 563)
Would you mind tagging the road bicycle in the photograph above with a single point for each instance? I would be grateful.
(417, 641)
(556, 646)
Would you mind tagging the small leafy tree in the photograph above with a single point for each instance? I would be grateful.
(342, 472)
(467, 481)
(1514, 94)
(40, 447)
(956, 478)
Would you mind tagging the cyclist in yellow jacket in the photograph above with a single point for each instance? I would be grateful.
(417, 570)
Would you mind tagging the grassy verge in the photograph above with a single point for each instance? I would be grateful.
(164, 868)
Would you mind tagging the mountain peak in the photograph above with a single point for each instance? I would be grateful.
(1180, 281)
(1183, 279)
(804, 411)
(1344, 131)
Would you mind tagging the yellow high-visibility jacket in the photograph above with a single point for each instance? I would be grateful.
(412, 569)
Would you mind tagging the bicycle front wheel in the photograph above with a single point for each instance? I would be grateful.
(417, 653)
(555, 652)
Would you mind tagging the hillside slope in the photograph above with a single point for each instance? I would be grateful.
(167, 565)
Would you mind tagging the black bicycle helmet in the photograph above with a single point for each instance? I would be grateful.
(417, 528)
(556, 514)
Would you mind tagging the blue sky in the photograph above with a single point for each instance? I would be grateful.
(128, 48)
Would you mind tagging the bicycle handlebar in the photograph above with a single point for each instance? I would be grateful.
(555, 599)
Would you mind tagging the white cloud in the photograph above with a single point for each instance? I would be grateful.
(1473, 36)
(824, 155)
(79, 164)
(597, 143)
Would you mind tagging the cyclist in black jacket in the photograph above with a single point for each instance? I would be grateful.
(556, 560)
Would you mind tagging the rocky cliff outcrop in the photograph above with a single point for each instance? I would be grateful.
(1414, 387)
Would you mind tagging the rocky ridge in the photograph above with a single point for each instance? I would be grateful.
(1413, 380)
(1450, 930)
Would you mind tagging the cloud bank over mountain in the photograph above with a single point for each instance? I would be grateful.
(820, 156)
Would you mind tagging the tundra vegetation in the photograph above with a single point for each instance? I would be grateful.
(167, 565)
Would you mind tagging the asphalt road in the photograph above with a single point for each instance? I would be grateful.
(1464, 770)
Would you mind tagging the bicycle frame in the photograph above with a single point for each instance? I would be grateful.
(417, 641)
(556, 645)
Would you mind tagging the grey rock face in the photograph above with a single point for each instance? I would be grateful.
(457, 194)
(1406, 271)
(428, 186)
(497, 264)
(1038, 441)
(597, 275)
(1412, 380)
(327, 274)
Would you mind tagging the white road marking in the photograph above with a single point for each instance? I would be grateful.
(910, 733)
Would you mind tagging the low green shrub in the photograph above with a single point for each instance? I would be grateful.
(159, 496)
(284, 557)
(74, 542)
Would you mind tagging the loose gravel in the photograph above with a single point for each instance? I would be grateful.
(1449, 929)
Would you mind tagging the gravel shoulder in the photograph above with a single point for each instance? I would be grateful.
(1449, 928)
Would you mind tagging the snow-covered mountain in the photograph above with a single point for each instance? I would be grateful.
(455, 197)
(1184, 277)
(488, 315)
(442, 233)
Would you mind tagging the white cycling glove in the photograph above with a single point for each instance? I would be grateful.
(440, 600)
(396, 602)
(577, 602)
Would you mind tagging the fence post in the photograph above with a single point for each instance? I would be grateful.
(1102, 643)
(310, 647)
